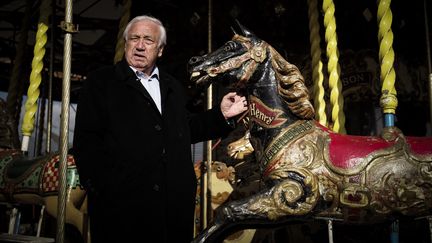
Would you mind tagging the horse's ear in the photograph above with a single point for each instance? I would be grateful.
(233, 30)
(246, 32)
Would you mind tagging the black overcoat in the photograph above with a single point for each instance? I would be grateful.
(135, 162)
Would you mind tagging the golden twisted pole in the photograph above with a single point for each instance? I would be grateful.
(336, 97)
(119, 49)
(35, 76)
(388, 99)
(317, 65)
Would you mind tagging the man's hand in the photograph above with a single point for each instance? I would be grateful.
(233, 104)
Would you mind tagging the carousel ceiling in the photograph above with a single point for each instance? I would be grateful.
(284, 24)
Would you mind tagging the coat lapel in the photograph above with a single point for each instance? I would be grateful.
(166, 88)
(129, 77)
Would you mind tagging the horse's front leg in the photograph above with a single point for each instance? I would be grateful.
(294, 195)
(229, 217)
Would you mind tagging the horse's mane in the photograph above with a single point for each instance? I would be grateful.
(291, 86)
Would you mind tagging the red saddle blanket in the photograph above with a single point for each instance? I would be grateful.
(347, 151)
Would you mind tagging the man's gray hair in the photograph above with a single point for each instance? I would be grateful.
(163, 37)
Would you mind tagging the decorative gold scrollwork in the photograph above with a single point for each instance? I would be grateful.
(295, 195)
(354, 196)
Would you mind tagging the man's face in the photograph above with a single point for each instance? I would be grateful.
(141, 48)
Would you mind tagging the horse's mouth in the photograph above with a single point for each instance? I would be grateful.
(201, 78)
(235, 154)
(232, 154)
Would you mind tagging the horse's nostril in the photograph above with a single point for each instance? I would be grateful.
(194, 60)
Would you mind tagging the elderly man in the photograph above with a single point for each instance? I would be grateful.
(132, 143)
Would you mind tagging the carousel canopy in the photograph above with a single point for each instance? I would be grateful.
(284, 24)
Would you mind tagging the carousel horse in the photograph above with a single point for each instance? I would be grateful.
(309, 171)
(35, 181)
(240, 148)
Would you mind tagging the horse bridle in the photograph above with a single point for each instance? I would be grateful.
(257, 53)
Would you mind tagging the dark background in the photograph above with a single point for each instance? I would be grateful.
(283, 24)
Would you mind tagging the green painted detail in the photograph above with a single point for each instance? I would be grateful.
(280, 143)
(32, 181)
(3, 162)
(72, 177)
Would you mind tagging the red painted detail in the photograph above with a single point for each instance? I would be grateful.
(420, 145)
(270, 168)
(264, 115)
(354, 197)
(347, 151)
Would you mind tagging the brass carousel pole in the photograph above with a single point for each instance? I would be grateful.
(119, 49)
(207, 179)
(68, 28)
(50, 81)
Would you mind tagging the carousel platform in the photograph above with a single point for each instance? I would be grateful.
(24, 238)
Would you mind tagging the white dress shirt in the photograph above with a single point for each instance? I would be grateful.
(151, 84)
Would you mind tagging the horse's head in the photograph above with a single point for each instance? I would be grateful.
(250, 63)
(236, 60)
(241, 147)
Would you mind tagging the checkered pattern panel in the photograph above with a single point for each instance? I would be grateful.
(50, 178)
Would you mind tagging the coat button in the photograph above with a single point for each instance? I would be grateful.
(156, 187)
(158, 127)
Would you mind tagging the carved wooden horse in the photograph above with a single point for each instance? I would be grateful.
(310, 171)
(35, 181)
(240, 148)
